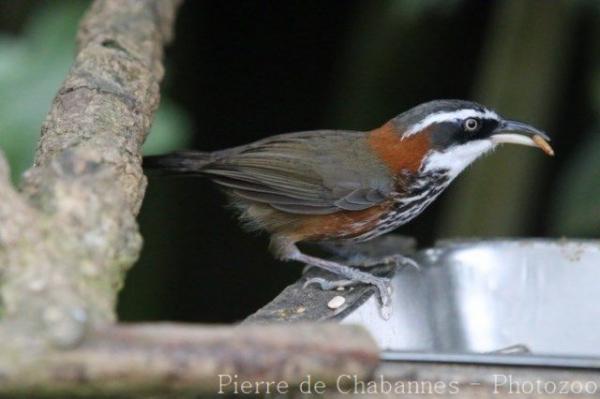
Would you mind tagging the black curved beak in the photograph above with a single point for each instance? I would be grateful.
(514, 132)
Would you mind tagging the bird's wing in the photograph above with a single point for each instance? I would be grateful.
(318, 172)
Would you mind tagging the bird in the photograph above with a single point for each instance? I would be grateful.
(351, 186)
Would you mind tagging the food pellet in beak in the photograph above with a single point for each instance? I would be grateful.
(543, 144)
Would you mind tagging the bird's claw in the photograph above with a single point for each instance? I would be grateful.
(386, 311)
(401, 260)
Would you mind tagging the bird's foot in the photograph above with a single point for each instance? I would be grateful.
(396, 260)
(381, 284)
(289, 251)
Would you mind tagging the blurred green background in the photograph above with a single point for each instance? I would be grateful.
(242, 70)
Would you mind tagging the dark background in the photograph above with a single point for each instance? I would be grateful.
(244, 70)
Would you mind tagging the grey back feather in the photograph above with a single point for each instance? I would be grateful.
(312, 173)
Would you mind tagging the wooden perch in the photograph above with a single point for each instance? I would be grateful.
(69, 235)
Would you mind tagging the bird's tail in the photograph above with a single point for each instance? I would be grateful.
(177, 163)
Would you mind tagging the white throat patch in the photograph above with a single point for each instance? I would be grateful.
(456, 159)
(449, 117)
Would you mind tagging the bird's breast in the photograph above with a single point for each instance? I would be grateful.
(416, 194)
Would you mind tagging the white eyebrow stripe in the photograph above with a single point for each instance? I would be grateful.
(448, 117)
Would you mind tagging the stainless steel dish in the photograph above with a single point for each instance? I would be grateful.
(483, 296)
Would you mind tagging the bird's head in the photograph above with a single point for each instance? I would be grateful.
(458, 132)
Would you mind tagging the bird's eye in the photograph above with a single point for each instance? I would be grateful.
(471, 125)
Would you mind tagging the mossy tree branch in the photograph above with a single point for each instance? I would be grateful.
(69, 236)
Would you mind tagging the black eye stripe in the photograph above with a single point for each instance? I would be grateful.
(446, 134)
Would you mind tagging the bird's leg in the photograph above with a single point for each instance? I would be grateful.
(289, 251)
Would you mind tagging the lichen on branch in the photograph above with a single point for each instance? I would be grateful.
(70, 234)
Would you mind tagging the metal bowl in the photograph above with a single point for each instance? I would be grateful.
(483, 296)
